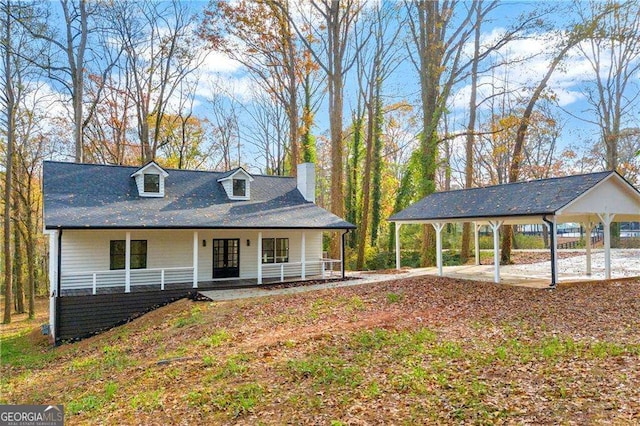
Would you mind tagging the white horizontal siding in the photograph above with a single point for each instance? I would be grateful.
(87, 251)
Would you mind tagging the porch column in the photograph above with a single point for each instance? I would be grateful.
(476, 241)
(495, 226)
(195, 259)
(606, 219)
(398, 225)
(127, 263)
(53, 281)
(259, 258)
(438, 227)
(588, 228)
(303, 256)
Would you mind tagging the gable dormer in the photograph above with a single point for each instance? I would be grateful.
(237, 184)
(150, 180)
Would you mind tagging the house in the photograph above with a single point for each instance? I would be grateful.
(125, 239)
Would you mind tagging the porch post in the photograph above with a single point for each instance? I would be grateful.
(495, 226)
(127, 263)
(53, 281)
(303, 255)
(438, 227)
(606, 219)
(476, 241)
(195, 259)
(259, 258)
(398, 225)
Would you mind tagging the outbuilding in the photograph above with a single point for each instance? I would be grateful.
(588, 199)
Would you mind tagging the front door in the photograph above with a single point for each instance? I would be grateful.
(226, 258)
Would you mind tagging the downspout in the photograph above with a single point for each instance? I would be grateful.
(58, 288)
(344, 259)
(552, 244)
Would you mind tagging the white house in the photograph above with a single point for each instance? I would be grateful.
(125, 239)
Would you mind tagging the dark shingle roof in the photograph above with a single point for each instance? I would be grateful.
(99, 196)
(532, 198)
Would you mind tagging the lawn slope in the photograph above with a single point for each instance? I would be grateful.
(410, 351)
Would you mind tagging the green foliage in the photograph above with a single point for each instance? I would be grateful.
(325, 370)
(394, 297)
(147, 401)
(191, 318)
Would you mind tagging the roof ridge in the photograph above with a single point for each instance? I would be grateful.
(73, 163)
(520, 182)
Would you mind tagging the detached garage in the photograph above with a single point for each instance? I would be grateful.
(588, 199)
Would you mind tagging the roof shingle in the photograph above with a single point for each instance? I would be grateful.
(532, 198)
(101, 196)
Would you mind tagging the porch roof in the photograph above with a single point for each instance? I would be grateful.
(82, 196)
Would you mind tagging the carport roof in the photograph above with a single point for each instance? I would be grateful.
(530, 198)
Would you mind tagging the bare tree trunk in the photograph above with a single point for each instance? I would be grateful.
(471, 126)
(10, 113)
(18, 278)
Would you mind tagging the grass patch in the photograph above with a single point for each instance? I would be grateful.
(193, 317)
(327, 371)
(147, 401)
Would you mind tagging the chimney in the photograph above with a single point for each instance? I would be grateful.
(307, 181)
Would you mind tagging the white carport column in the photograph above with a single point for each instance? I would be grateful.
(398, 225)
(303, 256)
(259, 256)
(127, 263)
(195, 259)
(606, 219)
(438, 227)
(495, 226)
(588, 229)
(476, 241)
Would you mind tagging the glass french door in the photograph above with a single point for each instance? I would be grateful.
(226, 258)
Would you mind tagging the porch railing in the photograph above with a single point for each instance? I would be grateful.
(322, 267)
(95, 280)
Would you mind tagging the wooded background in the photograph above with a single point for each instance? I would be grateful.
(120, 82)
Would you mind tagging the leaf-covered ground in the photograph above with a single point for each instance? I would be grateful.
(410, 351)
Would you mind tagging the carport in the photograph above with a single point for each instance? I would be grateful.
(588, 199)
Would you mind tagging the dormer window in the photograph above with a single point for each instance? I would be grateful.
(237, 184)
(151, 183)
(150, 180)
(239, 188)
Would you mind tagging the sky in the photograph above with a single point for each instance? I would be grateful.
(566, 83)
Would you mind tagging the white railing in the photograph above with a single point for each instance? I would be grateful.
(321, 267)
(96, 280)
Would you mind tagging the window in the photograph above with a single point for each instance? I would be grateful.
(239, 188)
(151, 183)
(138, 254)
(275, 250)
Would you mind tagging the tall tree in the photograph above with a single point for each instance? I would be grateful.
(258, 34)
(10, 107)
(613, 53)
(161, 51)
(330, 48)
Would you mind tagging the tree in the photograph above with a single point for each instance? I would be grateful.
(329, 47)
(258, 34)
(160, 51)
(613, 53)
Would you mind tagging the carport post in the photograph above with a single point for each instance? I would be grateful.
(398, 225)
(495, 226)
(606, 219)
(588, 227)
(438, 227)
(553, 235)
(476, 240)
